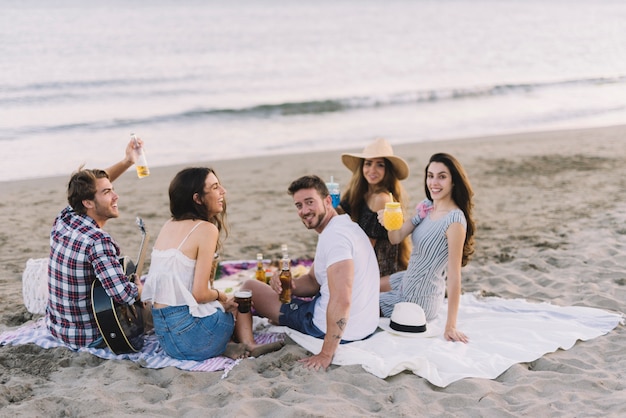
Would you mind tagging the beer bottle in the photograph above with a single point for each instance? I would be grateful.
(141, 164)
(260, 269)
(285, 281)
(283, 248)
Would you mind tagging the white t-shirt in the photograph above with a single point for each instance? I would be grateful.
(341, 240)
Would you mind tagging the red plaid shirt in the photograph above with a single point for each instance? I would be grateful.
(80, 253)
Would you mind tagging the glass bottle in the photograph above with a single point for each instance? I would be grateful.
(284, 250)
(285, 281)
(392, 216)
(141, 164)
(260, 268)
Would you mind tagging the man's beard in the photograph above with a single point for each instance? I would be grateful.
(105, 211)
(315, 221)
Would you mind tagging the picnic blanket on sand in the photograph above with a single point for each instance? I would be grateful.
(502, 332)
(35, 293)
(151, 355)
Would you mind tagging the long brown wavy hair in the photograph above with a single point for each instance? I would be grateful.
(355, 196)
(185, 184)
(462, 195)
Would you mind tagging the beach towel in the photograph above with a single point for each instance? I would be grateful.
(151, 354)
(35, 293)
(502, 332)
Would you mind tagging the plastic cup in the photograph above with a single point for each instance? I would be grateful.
(243, 298)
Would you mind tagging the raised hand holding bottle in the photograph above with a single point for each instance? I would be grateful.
(141, 164)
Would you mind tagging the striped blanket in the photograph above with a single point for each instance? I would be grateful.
(231, 274)
(151, 355)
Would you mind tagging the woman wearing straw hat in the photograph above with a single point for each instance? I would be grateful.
(376, 175)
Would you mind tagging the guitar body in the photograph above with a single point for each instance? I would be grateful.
(121, 326)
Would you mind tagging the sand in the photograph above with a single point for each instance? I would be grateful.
(551, 215)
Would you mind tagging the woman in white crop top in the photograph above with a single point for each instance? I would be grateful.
(192, 320)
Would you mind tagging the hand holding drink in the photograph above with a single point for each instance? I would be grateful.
(285, 282)
(244, 300)
(141, 164)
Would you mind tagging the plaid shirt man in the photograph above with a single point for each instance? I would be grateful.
(80, 253)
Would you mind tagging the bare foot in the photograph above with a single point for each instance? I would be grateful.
(259, 350)
(236, 351)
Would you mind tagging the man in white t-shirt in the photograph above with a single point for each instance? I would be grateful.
(343, 281)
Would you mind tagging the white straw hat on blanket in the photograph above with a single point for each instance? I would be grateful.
(407, 320)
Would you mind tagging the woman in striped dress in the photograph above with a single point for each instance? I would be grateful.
(442, 232)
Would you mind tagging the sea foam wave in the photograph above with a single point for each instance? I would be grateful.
(287, 109)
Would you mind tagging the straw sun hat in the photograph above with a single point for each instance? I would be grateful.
(377, 149)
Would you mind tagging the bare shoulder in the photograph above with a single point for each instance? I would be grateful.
(175, 232)
(379, 201)
(204, 231)
(203, 238)
(207, 227)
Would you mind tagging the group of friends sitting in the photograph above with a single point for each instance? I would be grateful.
(360, 271)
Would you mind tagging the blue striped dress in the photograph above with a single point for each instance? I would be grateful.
(424, 281)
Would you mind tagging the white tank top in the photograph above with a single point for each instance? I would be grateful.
(170, 281)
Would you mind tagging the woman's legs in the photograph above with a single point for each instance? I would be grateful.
(266, 303)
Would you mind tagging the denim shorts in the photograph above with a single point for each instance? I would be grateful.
(186, 337)
(298, 315)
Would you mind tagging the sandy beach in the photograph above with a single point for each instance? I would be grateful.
(551, 217)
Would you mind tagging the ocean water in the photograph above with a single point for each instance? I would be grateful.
(209, 80)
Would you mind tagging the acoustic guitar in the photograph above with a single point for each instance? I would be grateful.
(121, 326)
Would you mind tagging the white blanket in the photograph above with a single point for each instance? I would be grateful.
(502, 332)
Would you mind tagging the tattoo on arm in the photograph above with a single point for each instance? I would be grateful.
(342, 323)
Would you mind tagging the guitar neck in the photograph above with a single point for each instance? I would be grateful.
(142, 255)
